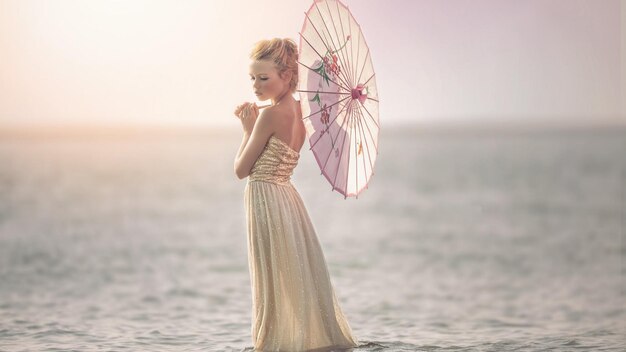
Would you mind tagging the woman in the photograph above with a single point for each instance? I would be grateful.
(294, 303)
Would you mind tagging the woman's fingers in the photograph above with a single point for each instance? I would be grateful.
(240, 108)
(250, 108)
(246, 110)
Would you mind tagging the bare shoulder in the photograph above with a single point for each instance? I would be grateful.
(272, 116)
(267, 118)
(275, 110)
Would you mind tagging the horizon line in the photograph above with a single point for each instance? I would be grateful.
(74, 129)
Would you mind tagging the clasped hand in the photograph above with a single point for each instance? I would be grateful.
(247, 113)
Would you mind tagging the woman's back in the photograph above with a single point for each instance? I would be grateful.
(289, 127)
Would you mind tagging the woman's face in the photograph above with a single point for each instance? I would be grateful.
(266, 82)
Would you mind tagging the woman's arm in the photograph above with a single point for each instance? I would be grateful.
(253, 143)
(244, 141)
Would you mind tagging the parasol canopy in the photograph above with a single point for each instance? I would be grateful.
(338, 96)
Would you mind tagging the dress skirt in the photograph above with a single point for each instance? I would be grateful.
(294, 303)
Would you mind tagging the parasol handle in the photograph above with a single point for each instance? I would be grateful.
(267, 105)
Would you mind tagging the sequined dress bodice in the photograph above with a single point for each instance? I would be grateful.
(275, 164)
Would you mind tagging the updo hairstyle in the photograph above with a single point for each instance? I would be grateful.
(284, 54)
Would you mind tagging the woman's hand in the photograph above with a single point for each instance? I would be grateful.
(247, 113)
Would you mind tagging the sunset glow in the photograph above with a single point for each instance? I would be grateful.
(185, 63)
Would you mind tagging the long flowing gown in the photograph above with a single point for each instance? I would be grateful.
(294, 303)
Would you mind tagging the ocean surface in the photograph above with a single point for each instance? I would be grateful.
(464, 241)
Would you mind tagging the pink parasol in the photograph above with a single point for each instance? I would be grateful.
(338, 96)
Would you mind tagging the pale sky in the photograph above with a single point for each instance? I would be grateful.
(186, 62)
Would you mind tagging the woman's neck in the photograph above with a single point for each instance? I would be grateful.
(280, 98)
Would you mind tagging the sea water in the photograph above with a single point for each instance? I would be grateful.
(495, 241)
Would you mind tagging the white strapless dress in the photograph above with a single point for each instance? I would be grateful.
(294, 302)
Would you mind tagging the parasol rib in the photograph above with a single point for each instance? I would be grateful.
(368, 112)
(361, 123)
(351, 45)
(351, 78)
(337, 84)
(356, 157)
(358, 52)
(372, 76)
(324, 41)
(336, 137)
(321, 91)
(333, 104)
(330, 36)
(368, 130)
(320, 137)
(343, 56)
(364, 63)
(341, 155)
(349, 151)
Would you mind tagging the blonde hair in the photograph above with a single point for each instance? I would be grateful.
(284, 54)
